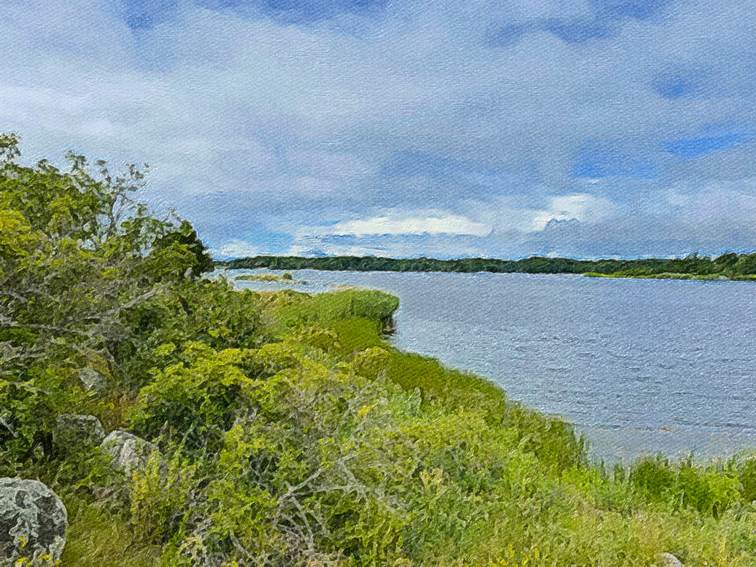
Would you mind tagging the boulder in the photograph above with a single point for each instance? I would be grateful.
(669, 560)
(92, 380)
(76, 432)
(129, 452)
(33, 523)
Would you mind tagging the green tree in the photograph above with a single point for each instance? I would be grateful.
(186, 236)
(726, 262)
(78, 254)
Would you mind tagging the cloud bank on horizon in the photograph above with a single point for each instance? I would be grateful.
(500, 128)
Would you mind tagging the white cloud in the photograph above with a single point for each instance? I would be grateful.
(236, 248)
(432, 223)
(293, 124)
(331, 249)
(581, 206)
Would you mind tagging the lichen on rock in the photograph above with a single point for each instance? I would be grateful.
(129, 452)
(33, 522)
(92, 380)
(669, 560)
(75, 432)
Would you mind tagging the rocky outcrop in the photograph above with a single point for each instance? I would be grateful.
(92, 381)
(74, 433)
(33, 522)
(669, 560)
(129, 452)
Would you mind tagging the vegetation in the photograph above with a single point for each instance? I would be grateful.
(285, 277)
(730, 265)
(290, 431)
(673, 276)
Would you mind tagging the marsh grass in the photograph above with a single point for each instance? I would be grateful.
(98, 538)
(672, 276)
(286, 277)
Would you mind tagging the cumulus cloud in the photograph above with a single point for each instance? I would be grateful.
(579, 207)
(235, 248)
(263, 122)
(438, 223)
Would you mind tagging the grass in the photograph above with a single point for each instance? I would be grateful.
(97, 538)
(331, 307)
(670, 276)
(285, 277)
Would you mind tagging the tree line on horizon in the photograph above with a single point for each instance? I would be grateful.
(730, 265)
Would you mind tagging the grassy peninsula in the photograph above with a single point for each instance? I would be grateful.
(286, 277)
(283, 429)
(694, 266)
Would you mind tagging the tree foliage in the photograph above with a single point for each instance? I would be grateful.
(727, 265)
(78, 258)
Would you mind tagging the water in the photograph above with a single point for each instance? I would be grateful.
(639, 366)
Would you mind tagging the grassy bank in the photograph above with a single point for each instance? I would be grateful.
(286, 277)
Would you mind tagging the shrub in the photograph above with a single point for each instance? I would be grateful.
(194, 401)
(162, 497)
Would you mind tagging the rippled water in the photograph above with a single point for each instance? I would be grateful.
(639, 366)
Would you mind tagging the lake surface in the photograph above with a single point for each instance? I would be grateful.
(639, 366)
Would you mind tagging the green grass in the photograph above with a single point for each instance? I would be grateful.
(286, 277)
(670, 276)
(331, 307)
(97, 538)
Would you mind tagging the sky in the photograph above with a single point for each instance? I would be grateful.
(614, 128)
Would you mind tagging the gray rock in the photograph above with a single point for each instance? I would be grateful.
(76, 432)
(92, 380)
(33, 522)
(669, 560)
(129, 452)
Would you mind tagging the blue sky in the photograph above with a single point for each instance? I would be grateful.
(405, 128)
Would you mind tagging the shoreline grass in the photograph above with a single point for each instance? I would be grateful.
(286, 277)
(671, 276)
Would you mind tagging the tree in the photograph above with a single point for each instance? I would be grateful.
(726, 262)
(77, 255)
(746, 265)
(185, 235)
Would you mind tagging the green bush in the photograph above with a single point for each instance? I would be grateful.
(194, 402)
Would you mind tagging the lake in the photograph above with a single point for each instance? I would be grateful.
(639, 366)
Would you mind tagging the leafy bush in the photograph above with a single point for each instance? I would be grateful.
(210, 312)
(194, 401)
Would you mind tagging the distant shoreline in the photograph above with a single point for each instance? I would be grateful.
(728, 266)
(673, 276)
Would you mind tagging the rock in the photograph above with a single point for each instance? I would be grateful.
(75, 432)
(33, 523)
(130, 453)
(669, 560)
(92, 380)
